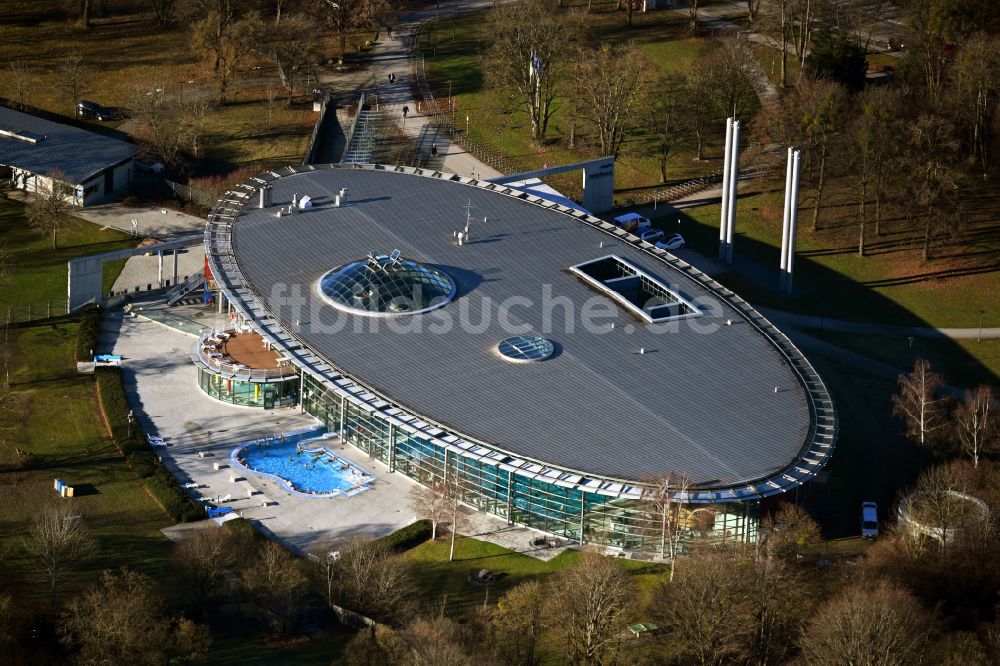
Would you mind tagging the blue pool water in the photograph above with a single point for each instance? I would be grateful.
(304, 466)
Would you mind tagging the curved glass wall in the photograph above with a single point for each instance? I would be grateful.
(386, 286)
(568, 512)
(268, 395)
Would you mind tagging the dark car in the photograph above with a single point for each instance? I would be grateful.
(85, 109)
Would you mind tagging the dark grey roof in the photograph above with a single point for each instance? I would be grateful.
(77, 153)
(700, 403)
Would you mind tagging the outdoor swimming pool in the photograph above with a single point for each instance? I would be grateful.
(303, 465)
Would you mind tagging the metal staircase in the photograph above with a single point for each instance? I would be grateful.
(175, 295)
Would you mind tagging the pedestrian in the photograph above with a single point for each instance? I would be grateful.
(406, 110)
(389, 28)
(434, 149)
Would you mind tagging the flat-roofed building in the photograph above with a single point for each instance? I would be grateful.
(564, 373)
(94, 167)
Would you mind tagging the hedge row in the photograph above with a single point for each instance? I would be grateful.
(86, 335)
(408, 537)
(160, 483)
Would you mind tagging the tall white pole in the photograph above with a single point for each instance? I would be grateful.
(783, 265)
(724, 211)
(734, 175)
(794, 220)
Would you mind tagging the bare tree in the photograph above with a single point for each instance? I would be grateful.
(918, 404)
(670, 129)
(929, 156)
(776, 20)
(291, 44)
(976, 422)
(588, 602)
(121, 621)
(349, 15)
(72, 70)
(701, 610)
(379, 645)
(21, 80)
(610, 78)
(788, 532)
(166, 124)
(431, 502)
(436, 641)
(753, 9)
(203, 559)
(48, 210)
(774, 606)
(517, 624)
(527, 55)
(225, 33)
(666, 494)
(373, 580)
(867, 624)
(276, 581)
(822, 107)
(692, 10)
(977, 88)
(165, 11)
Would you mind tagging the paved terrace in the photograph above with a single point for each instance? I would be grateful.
(163, 386)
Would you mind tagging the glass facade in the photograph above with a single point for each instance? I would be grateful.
(269, 395)
(631, 524)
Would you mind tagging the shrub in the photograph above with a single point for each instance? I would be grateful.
(408, 537)
(160, 483)
(86, 335)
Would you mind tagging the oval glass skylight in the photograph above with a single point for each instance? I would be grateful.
(525, 349)
(386, 286)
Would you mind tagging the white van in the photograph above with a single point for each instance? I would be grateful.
(633, 223)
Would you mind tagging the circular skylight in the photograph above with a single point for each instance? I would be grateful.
(525, 348)
(386, 286)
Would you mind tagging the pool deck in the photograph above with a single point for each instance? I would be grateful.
(201, 433)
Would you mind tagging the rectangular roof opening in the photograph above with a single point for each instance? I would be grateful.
(641, 293)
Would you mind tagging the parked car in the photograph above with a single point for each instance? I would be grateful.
(87, 109)
(633, 222)
(675, 242)
(651, 235)
(155, 167)
(869, 520)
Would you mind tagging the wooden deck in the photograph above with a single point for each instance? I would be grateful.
(249, 349)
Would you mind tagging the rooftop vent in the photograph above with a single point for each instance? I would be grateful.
(639, 292)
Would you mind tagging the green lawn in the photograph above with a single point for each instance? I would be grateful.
(890, 286)
(38, 273)
(453, 49)
(57, 421)
(443, 581)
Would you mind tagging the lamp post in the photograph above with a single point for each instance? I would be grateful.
(130, 419)
(467, 126)
(979, 336)
(451, 105)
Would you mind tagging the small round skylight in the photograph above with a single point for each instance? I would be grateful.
(525, 349)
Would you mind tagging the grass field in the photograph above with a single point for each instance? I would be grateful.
(75, 447)
(891, 285)
(129, 52)
(453, 48)
(37, 273)
(445, 583)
